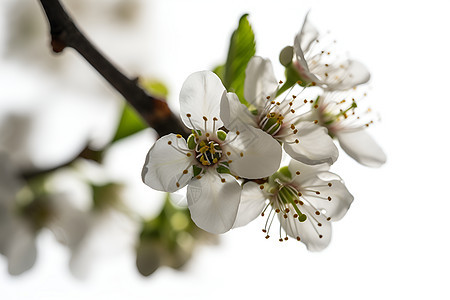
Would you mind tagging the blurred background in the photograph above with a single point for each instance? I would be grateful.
(392, 243)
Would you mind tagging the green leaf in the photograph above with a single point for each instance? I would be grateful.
(131, 122)
(242, 49)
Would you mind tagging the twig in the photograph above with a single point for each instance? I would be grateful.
(64, 33)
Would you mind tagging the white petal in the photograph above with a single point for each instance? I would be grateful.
(165, 164)
(200, 97)
(69, 224)
(212, 203)
(305, 171)
(315, 237)
(315, 145)
(301, 65)
(234, 114)
(361, 147)
(260, 81)
(333, 200)
(308, 34)
(355, 73)
(22, 250)
(252, 204)
(254, 153)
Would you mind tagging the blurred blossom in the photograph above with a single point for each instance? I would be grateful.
(169, 240)
(26, 208)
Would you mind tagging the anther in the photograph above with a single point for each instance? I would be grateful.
(241, 154)
(228, 153)
(267, 236)
(329, 198)
(188, 115)
(317, 193)
(261, 187)
(316, 121)
(205, 118)
(320, 236)
(169, 142)
(298, 172)
(178, 185)
(277, 210)
(317, 212)
(298, 238)
(330, 184)
(179, 136)
(188, 154)
(185, 171)
(268, 97)
(223, 180)
(237, 132)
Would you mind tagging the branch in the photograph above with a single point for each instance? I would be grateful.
(64, 33)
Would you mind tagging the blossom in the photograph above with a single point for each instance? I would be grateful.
(305, 198)
(302, 139)
(24, 211)
(312, 61)
(347, 121)
(209, 159)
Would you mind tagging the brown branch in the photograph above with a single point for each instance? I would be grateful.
(65, 33)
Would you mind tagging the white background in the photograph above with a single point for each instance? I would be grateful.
(392, 244)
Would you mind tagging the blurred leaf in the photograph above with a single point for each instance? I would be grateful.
(130, 121)
(220, 71)
(242, 48)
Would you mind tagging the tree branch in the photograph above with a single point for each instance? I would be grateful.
(64, 33)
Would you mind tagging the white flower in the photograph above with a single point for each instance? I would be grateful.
(305, 198)
(302, 140)
(210, 159)
(316, 63)
(347, 121)
(23, 213)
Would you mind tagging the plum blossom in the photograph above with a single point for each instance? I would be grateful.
(312, 61)
(305, 198)
(25, 211)
(210, 159)
(347, 121)
(301, 139)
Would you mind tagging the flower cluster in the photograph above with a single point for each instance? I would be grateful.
(231, 161)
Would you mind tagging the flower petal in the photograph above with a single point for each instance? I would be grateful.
(308, 34)
(355, 73)
(200, 97)
(234, 114)
(165, 164)
(305, 171)
(22, 249)
(254, 153)
(252, 204)
(361, 147)
(260, 81)
(315, 146)
(214, 204)
(315, 237)
(301, 65)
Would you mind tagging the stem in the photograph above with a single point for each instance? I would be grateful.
(64, 33)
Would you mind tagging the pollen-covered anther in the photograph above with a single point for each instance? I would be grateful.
(277, 210)
(241, 154)
(268, 97)
(292, 126)
(261, 187)
(185, 171)
(188, 154)
(237, 132)
(179, 136)
(169, 143)
(316, 121)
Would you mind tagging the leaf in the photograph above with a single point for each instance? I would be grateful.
(131, 122)
(242, 49)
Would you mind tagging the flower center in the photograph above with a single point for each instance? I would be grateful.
(208, 152)
(272, 122)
